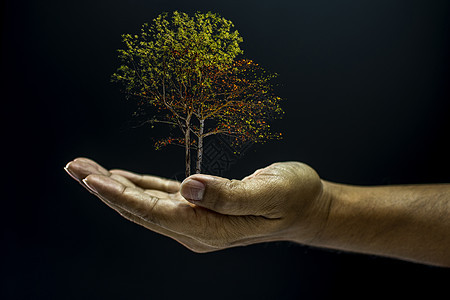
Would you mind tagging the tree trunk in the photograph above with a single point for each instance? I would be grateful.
(187, 141)
(200, 147)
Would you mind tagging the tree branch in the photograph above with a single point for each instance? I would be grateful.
(160, 121)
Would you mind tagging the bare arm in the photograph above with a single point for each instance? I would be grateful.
(284, 201)
(410, 222)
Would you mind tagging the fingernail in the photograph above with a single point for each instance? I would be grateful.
(66, 168)
(90, 188)
(192, 189)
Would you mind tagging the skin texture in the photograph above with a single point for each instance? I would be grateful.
(282, 202)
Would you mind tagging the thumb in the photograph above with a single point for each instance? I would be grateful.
(231, 197)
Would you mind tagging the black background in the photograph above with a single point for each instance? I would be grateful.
(366, 85)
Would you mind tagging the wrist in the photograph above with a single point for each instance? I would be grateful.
(329, 198)
(312, 220)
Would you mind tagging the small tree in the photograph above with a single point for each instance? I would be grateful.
(185, 70)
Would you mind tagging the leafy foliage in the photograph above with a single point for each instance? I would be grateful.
(186, 69)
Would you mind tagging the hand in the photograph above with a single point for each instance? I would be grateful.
(283, 201)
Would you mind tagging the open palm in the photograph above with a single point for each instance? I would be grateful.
(156, 203)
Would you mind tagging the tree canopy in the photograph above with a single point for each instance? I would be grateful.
(186, 71)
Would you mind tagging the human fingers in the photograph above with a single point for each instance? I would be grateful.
(81, 167)
(181, 217)
(150, 182)
(188, 242)
(155, 210)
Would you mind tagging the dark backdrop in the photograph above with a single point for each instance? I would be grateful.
(366, 85)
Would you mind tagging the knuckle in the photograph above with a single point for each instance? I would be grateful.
(142, 206)
(234, 186)
(229, 195)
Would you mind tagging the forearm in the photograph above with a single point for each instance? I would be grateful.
(407, 222)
